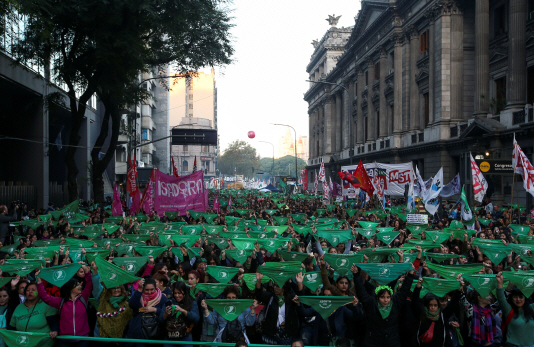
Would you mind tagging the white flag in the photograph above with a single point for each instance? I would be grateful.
(411, 199)
(322, 176)
(520, 161)
(316, 183)
(326, 193)
(452, 188)
(480, 185)
(420, 188)
(431, 198)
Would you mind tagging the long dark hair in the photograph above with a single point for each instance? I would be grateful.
(426, 302)
(69, 286)
(187, 302)
(527, 310)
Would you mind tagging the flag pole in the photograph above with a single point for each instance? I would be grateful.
(512, 196)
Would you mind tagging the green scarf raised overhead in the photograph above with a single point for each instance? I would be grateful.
(523, 281)
(238, 255)
(272, 245)
(496, 253)
(285, 265)
(368, 225)
(452, 271)
(147, 251)
(326, 305)
(387, 236)
(342, 262)
(440, 287)
(246, 244)
(213, 289)
(335, 236)
(484, 284)
(386, 272)
(222, 274)
(59, 275)
(312, 280)
(377, 255)
(280, 277)
(112, 275)
(250, 280)
(229, 309)
(439, 257)
(293, 256)
(131, 264)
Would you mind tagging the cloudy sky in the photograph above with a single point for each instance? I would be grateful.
(266, 84)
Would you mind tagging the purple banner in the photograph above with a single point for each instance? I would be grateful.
(179, 193)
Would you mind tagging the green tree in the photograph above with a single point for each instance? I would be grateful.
(239, 158)
(99, 47)
(284, 166)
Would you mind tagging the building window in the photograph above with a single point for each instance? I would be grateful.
(190, 106)
(365, 132)
(205, 148)
(366, 78)
(185, 166)
(499, 21)
(206, 165)
(190, 115)
(378, 123)
(144, 134)
(190, 96)
(424, 41)
(186, 148)
(377, 71)
(427, 109)
(499, 102)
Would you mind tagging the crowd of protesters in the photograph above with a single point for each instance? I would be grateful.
(166, 303)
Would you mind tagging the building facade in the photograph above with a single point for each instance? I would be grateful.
(427, 82)
(193, 105)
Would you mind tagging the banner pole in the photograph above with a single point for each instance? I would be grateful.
(512, 196)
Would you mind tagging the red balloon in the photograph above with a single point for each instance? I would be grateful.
(251, 134)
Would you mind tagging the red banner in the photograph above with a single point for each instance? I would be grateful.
(304, 177)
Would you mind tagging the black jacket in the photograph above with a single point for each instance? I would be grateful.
(292, 323)
(382, 332)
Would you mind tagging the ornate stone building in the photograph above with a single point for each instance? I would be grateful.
(425, 81)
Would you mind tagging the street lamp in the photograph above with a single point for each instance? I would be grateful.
(285, 125)
(348, 94)
(272, 169)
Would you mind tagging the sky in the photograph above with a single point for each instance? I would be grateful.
(266, 83)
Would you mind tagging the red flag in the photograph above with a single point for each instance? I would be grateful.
(195, 165)
(365, 183)
(174, 168)
(131, 181)
(322, 175)
(304, 177)
(347, 176)
(116, 209)
(147, 202)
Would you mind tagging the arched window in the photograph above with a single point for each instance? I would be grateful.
(185, 166)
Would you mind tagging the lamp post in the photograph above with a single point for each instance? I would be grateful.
(296, 177)
(350, 123)
(272, 169)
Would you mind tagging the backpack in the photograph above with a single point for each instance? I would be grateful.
(82, 300)
(232, 331)
(178, 327)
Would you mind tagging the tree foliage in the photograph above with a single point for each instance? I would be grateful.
(284, 166)
(100, 46)
(239, 158)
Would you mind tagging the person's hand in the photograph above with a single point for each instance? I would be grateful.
(14, 281)
(355, 302)
(204, 305)
(151, 309)
(53, 334)
(259, 276)
(500, 279)
(299, 277)
(37, 276)
(354, 269)
(151, 260)
(454, 324)
(168, 312)
(94, 267)
(141, 284)
(296, 300)
(419, 283)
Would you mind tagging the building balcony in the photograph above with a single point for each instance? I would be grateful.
(148, 149)
(123, 138)
(121, 168)
(148, 123)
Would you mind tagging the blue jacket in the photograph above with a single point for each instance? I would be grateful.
(192, 316)
(135, 327)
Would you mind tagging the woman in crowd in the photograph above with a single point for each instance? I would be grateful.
(72, 308)
(180, 315)
(34, 315)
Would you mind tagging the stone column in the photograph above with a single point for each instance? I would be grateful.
(397, 107)
(359, 121)
(383, 103)
(311, 131)
(338, 128)
(431, 68)
(406, 82)
(320, 129)
(350, 116)
(457, 63)
(414, 88)
(371, 113)
(329, 125)
(482, 96)
(517, 68)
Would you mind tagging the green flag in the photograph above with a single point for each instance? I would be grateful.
(80, 243)
(436, 236)
(484, 284)
(222, 274)
(342, 262)
(415, 229)
(335, 236)
(270, 212)
(250, 280)
(387, 236)
(229, 309)
(238, 255)
(312, 280)
(285, 265)
(187, 240)
(272, 245)
(220, 242)
(385, 272)
(15, 338)
(96, 253)
(8, 249)
(277, 229)
(377, 255)
(440, 287)
(136, 237)
(439, 257)
(209, 217)
(127, 248)
(112, 275)
(131, 264)
(452, 271)
(281, 220)
(278, 276)
(171, 214)
(213, 289)
(59, 275)
(110, 227)
(147, 251)
(195, 214)
(496, 253)
(20, 269)
(523, 281)
(192, 229)
(293, 256)
(213, 229)
(350, 211)
(71, 209)
(326, 305)
(520, 229)
(5, 280)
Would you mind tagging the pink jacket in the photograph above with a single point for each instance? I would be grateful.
(73, 317)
